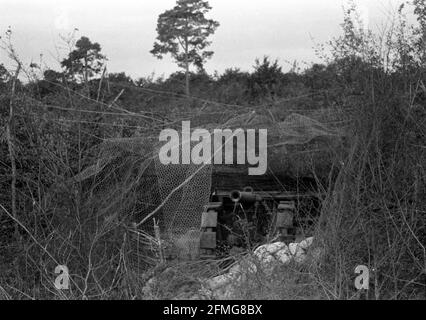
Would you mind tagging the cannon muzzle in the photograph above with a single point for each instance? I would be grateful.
(247, 196)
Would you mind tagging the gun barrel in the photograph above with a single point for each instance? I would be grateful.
(243, 196)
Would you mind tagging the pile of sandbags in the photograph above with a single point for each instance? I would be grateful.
(265, 257)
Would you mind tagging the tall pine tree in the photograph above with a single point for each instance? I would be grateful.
(183, 32)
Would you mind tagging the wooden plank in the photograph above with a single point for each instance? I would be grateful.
(284, 219)
(209, 219)
(213, 206)
(286, 205)
(208, 240)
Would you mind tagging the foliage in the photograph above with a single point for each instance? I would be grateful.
(85, 61)
(4, 74)
(372, 197)
(120, 77)
(266, 78)
(183, 32)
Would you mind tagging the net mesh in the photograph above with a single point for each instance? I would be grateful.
(135, 188)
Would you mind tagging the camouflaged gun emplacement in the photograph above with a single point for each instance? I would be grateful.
(207, 211)
(245, 211)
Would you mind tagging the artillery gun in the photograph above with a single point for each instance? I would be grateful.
(243, 217)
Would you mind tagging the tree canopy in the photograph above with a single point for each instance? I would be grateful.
(85, 61)
(183, 32)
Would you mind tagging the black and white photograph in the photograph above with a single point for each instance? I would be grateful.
(210, 156)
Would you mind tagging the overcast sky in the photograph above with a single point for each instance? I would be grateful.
(283, 29)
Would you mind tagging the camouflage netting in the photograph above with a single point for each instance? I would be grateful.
(135, 188)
